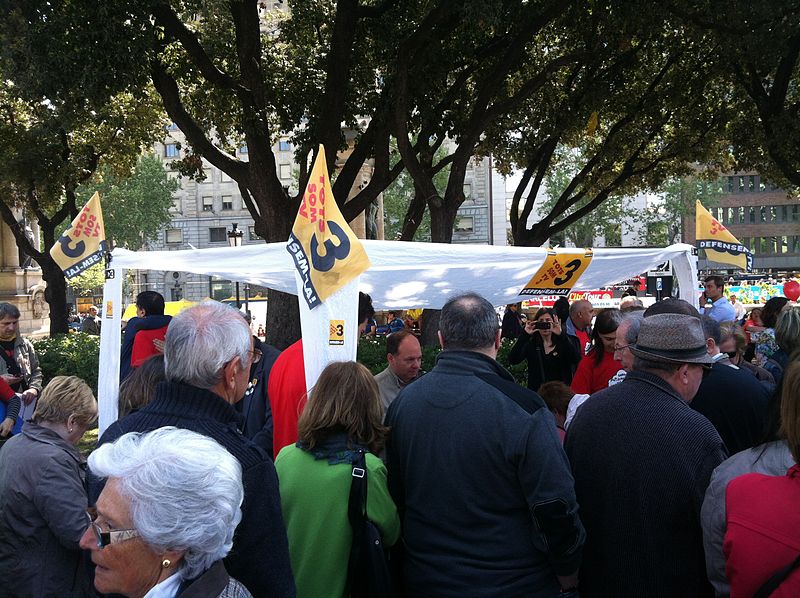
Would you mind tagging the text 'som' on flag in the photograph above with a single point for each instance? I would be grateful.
(326, 252)
(84, 242)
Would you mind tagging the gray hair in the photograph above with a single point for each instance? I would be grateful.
(201, 340)
(640, 364)
(787, 330)
(634, 322)
(468, 322)
(9, 310)
(184, 490)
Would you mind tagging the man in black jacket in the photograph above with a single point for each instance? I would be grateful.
(732, 399)
(208, 353)
(478, 473)
(642, 460)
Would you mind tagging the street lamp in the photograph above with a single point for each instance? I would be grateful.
(235, 237)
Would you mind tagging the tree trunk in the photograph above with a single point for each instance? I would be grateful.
(442, 221)
(56, 295)
(430, 327)
(283, 319)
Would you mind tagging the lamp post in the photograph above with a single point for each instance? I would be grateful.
(235, 237)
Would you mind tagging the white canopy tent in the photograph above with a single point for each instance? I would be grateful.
(402, 275)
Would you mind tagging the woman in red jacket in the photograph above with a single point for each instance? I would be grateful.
(598, 365)
(763, 522)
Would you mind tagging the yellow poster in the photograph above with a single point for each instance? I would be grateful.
(559, 273)
(719, 244)
(336, 332)
(326, 252)
(84, 242)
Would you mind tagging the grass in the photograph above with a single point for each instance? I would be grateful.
(88, 442)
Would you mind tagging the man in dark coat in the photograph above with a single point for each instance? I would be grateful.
(254, 407)
(732, 399)
(642, 459)
(208, 352)
(478, 473)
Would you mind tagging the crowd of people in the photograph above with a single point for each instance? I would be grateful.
(648, 456)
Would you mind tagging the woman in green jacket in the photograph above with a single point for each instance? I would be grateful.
(343, 414)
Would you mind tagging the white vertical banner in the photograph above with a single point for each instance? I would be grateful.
(110, 337)
(330, 330)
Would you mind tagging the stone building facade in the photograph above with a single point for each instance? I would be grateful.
(21, 283)
(762, 216)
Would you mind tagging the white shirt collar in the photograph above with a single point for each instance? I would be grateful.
(167, 588)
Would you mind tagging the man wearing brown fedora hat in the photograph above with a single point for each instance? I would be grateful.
(642, 459)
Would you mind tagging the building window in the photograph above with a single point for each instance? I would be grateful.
(243, 148)
(224, 177)
(751, 184)
(730, 184)
(217, 235)
(227, 202)
(464, 224)
(762, 216)
(286, 171)
(752, 214)
(284, 146)
(208, 175)
(794, 214)
(252, 235)
(467, 190)
(171, 127)
(172, 150)
(741, 184)
(208, 204)
(174, 235)
(221, 289)
(176, 205)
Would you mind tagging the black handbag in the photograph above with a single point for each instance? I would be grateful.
(368, 570)
(777, 579)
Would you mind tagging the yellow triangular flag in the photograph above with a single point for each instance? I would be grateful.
(84, 242)
(326, 252)
(717, 241)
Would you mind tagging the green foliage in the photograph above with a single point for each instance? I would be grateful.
(89, 281)
(372, 354)
(603, 220)
(73, 354)
(135, 207)
(677, 201)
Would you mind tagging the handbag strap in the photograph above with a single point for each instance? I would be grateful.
(777, 579)
(356, 509)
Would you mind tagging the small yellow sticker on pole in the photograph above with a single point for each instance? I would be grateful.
(559, 273)
(336, 333)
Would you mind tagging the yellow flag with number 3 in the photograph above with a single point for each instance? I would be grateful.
(326, 252)
(559, 273)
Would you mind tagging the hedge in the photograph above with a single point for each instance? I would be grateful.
(75, 354)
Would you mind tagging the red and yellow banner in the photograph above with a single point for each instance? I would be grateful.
(559, 273)
(84, 242)
(718, 242)
(326, 252)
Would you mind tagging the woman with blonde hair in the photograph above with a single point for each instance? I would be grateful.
(43, 497)
(342, 421)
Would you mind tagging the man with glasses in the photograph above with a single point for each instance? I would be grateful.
(731, 399)
(642, 459)
(208, 352)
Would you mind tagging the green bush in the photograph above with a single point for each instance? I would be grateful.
(73, 354)
(372, 353)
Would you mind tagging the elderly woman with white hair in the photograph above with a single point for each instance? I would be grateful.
(166, 516)
(208, 351)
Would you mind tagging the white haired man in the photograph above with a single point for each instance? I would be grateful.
(208, 351)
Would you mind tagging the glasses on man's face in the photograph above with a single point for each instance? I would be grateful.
(620, 348)
(111, 536)
(256, 354)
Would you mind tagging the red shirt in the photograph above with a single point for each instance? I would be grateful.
(591, 377)
(584, 339)
(763, 532)
(287, 395)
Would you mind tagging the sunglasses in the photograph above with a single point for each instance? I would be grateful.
(111, 536)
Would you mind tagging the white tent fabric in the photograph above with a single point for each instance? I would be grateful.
(420, 275)
(402, 275)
